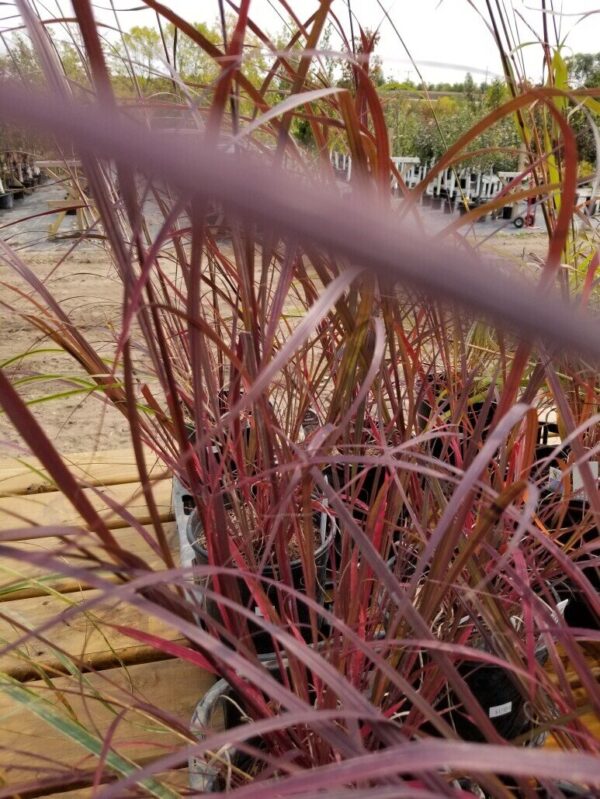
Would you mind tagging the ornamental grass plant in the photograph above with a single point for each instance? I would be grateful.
(314, 370)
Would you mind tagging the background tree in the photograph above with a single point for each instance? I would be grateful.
(584, 70)
(190, 61)
(471, 92)
(364, 53)
(425, 125)
(143, 52)
(18, 62)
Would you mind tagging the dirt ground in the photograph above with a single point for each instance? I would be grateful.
(86, 286)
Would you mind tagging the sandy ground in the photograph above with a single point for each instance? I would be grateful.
(86, 286)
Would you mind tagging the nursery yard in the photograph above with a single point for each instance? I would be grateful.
(270, 524)
(86, 286)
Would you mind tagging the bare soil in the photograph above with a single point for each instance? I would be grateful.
(86, 286)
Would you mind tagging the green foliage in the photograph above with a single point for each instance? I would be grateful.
(496, 94)
(364, 52)
(191, 63)
(143, 49)
(19, 62)
(470, 90)
(584, 69)
(303, 132)
(426, 127)
(394, 85)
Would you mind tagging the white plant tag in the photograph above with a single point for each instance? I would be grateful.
(258, 612)
(554, 477)
(561, 606)
(500, 710)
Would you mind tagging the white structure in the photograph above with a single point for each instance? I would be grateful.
(457, 185)
(409, 169)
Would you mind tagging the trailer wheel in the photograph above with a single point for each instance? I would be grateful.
(518, 222)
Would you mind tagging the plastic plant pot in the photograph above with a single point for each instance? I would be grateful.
(499, 696)
(496, 690)
(360, 496)
(439, 445)
(6, 201)
(324, 527)
(214, 711)
(218, 710)
(578, 613)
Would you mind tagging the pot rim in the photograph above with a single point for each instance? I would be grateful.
(328, 526)
(202, 774)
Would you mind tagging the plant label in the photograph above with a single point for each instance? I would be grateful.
(554, 479)
(500, 710)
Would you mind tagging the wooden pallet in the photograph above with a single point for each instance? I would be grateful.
(119, 677)
(119, 668)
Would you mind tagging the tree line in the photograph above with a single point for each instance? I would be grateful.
(422, 119)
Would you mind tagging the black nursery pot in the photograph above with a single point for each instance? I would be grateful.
(544, 450)
(499, 697)
(6, 201)
(220, 708)
(578, 612)
(568, 790)
(371, 481)
(439, 445)
(262, 641)
(218, 447)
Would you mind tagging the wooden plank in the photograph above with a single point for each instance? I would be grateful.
(30, 746)
(53, 164)
(20, 579)
(86, 637)
(112, 467)
(171, 685)
(590, 720)
(67, 203)
(177, 780)
(53, 508)
(56, 224)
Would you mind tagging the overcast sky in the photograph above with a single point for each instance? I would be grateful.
(449, 32)
(446, 33)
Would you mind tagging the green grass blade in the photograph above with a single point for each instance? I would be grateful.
(76, 732)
